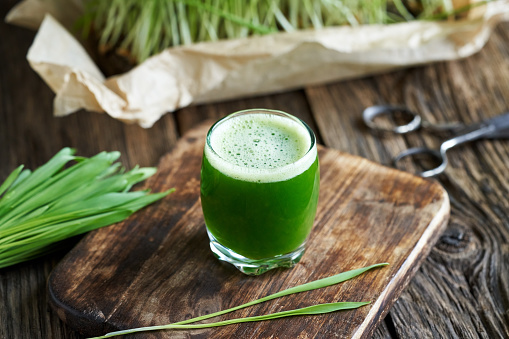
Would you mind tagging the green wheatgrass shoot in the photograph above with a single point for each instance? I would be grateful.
(142, 28)
(55, 202)
(310, 310)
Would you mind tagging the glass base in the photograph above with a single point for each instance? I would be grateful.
(255, 266)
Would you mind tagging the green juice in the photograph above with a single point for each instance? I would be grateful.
(260, 183)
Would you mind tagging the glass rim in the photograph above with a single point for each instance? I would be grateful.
(311, 134)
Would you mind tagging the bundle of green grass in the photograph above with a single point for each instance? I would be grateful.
(139, 29)
(67, 196)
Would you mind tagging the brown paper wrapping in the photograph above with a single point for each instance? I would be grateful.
(207, 72)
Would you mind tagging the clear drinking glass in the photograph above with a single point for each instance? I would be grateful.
(259, 189)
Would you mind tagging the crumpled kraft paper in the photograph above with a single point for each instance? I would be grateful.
(212, 71)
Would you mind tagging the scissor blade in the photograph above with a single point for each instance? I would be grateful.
(500, 125)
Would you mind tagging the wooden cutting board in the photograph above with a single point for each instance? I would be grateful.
(156, 267)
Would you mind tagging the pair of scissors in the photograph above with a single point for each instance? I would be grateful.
(493, 128)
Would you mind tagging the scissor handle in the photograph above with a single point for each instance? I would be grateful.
(485, 129)
(494, 128)
(441, 157)
(370, 113)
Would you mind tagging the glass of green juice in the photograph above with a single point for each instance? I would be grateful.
(259, 189)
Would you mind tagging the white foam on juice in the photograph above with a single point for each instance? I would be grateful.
(260, 147)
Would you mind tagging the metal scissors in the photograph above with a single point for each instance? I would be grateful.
(493, 128)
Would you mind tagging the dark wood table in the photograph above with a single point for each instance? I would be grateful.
(461, 290)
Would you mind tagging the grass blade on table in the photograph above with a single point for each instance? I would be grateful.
(61, 184)
(37, 244)
(55, 202)
(16, 193)
(11, 179)
(311, 310)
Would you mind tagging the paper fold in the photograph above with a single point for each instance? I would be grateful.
(213, 71)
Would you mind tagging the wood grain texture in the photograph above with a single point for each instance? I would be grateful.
(462, 289)
(30, 135)
(156, 267)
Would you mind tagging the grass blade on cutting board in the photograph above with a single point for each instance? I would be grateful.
(310, 310)
(316, 309)
(333, 280)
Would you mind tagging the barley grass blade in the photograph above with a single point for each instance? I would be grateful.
(333, 280)
(142, 28)
(10, 179)
(311, 310)
(58, 201)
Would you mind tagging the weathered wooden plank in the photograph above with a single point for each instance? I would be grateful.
(134, 273)
(30, 135)
(462, 289)
(473, 255)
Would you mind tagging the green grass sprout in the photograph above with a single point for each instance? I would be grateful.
(60, 200)
(310, 310)
(139, 29)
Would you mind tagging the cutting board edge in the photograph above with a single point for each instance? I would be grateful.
(407, 271)
(85, 324)
(80, 322)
